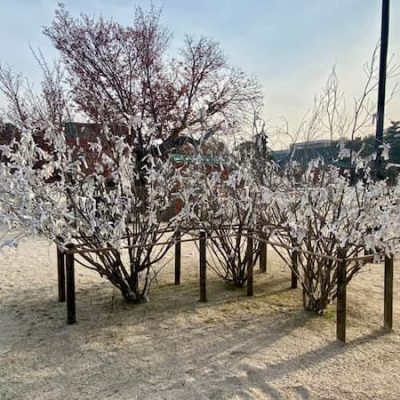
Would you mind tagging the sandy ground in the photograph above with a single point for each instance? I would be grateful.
(174, 347)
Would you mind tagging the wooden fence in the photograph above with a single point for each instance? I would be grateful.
(66, 273)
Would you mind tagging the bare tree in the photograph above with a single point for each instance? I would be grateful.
(12, 84)
(221, 200)
(25, 106)
(331, 116)
(121, 74)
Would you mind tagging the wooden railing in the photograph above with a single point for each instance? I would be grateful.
(66, 267)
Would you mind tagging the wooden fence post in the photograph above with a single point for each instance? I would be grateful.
(263, 254)
(250, 277)
(341, 297)
(203, 267)
(70, 273)
(61, 274)
(295, 256)
(178, 245)
(388, 295)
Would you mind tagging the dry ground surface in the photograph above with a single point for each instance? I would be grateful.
(174, 347)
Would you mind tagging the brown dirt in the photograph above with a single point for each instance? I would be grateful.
(174, 347)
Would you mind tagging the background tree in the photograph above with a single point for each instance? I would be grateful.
(392, 137)
(333, 116)
(364, 147)
(122, 75)
(47, 107)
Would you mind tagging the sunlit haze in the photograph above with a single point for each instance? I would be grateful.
(290, 45)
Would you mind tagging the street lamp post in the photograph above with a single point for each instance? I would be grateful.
(382, 87)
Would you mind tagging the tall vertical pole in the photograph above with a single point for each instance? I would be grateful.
(388, 294)
(61, 274)
(60, 270)
(380, 115)
(70, 274)
(203, 266)
(250, 275)
(263, 253)
(341, 297)
(177, 258)
(295, 269)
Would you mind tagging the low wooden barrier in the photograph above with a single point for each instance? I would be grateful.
(66, 273)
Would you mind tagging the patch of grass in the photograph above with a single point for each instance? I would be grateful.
(329, 314)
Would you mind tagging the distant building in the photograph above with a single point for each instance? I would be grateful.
(313, 144)
(304, 152)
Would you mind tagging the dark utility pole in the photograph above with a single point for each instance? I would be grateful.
(382, 86)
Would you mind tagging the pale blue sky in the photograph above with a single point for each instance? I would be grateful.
(290, 45)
